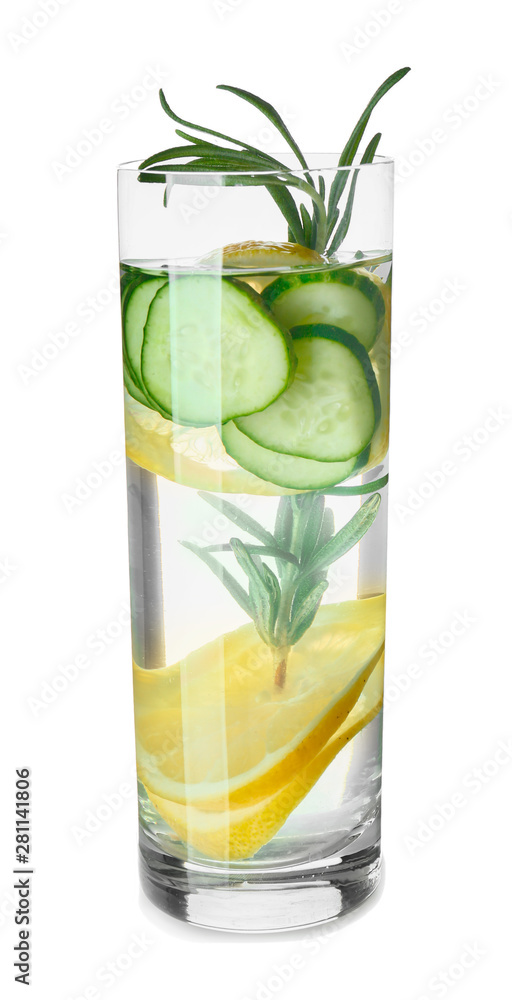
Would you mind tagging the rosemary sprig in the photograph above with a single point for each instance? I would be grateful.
(304, 545)
(323, 226)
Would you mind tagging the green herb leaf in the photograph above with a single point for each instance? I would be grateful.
(249, 565)
(273, 116)
(304, 615)
(274, 590)
(260, 612)
(209, 131)
(371, 148)
(346, 537)
(288, 208)
(352, 145)
(357, 491)
(303, 503)
(312, 528)
(306, 224)
(270, 161)
(327, 529)
(239, 517)
(152, 179)
(220, 162)
(304, 586)
(193, 138)
(232, 585)
(175, 153)
(283, 528)
(343, 227)
(264, 591)
(284, 522)
(258, 550)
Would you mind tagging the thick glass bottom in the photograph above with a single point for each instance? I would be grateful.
(262, 899)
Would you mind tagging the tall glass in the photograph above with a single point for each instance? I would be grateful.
(257, 530)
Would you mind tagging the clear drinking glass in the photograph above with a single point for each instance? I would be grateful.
(257, 581)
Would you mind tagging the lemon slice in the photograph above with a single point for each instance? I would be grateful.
(239, 833)
(256, 254)
(213, 731)
(190, 456)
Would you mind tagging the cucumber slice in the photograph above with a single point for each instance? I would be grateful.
(139, 394)
(348, 299)
(331, 409)
(135, 312)
(286, 471)
(212, 351)
(132, 387)
(136, 301)
(362, 461)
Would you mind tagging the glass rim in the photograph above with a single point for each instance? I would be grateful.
(131, 166)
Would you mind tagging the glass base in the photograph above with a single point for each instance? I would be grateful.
(260, 899)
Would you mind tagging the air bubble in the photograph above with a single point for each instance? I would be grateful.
(325, 427)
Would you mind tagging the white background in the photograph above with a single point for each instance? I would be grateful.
(64, 572)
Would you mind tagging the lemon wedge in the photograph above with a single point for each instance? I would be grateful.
(213, 731)
(235, 834)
